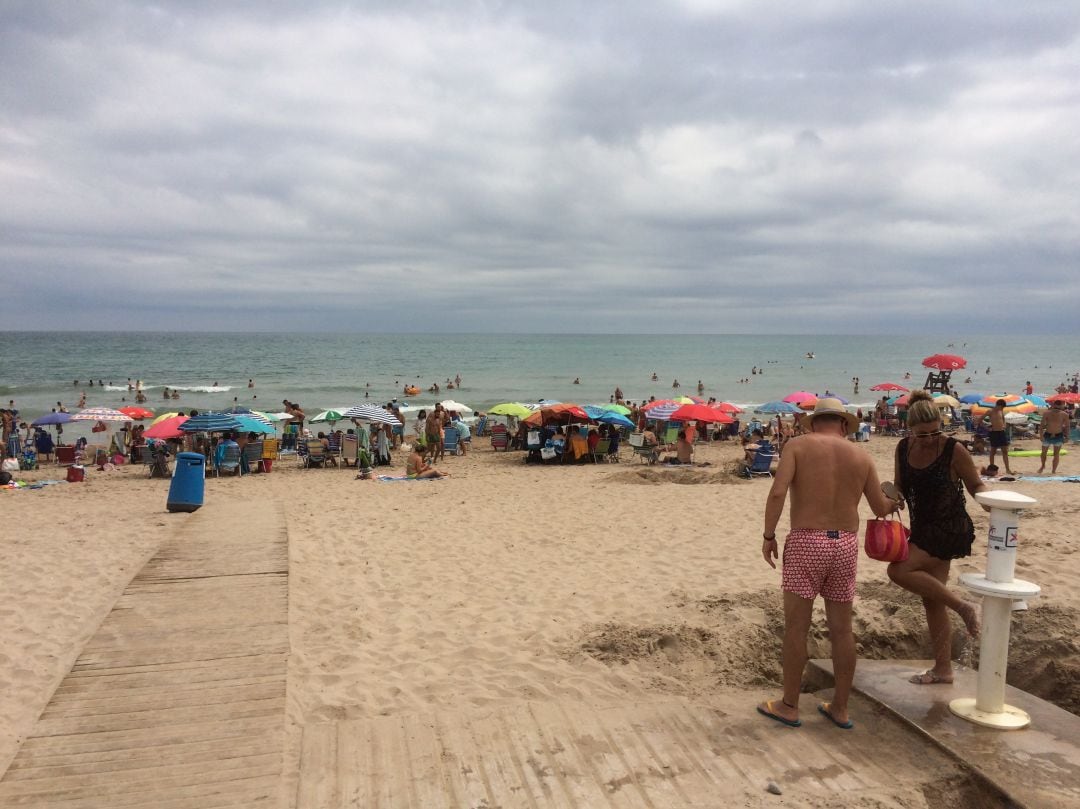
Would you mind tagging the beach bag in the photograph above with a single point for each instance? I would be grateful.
(547, 453)
(10, 465)
(886, 540)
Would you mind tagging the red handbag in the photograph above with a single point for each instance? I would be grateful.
(886, 540)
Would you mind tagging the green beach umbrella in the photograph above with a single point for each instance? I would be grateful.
(515, 409)
(622, 410)
(331, 416)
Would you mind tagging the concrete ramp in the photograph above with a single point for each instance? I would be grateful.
(179, 698)
(1036, 767)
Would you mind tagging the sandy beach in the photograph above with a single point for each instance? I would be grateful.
(597, 584)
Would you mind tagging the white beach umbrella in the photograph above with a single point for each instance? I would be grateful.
(450, 404)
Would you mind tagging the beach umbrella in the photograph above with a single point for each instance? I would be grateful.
(560, 413)
(778, 407)
(331, 416)
(622, 410)
(700, 412)
(944, 362)
(51, 418)
(1068, 398)
(1037, 400)
(661, 411)
(370, 412)
(278, 416)
(600, 414)
(827, 395)
(728, 407)
(210, 423)
(163, 416)
(801, 398)
(101, 414)
(900, 401)
(514, 409)
(971, 398)
(1014, 404)
(945, 400)
(250, 424)
(457, 407)
(166, 428)
(888, 386)
(137, 413)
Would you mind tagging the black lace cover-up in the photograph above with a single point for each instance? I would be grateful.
(940, 524)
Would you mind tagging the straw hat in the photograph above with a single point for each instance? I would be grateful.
(831, 407)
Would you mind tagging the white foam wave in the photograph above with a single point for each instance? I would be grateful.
(201, 388)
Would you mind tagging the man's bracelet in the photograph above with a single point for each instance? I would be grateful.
(768, 538)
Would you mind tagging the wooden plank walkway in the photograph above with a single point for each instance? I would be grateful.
(179, 698)
(663, 753)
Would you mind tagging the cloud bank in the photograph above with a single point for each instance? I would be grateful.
(694, 166)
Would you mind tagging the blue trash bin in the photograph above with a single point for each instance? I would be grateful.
(188, 482)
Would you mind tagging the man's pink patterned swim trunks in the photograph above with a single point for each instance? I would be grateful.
(820, 562)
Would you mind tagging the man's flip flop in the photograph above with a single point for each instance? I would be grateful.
(929, 678)
(767, 711)
(821, 709)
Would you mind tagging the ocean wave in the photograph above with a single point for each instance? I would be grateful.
(202, 388)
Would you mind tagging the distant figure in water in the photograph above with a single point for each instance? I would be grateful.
(675, 384)
(577, 380)
(654, 376)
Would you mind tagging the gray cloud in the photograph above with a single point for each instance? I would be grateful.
(697, 166)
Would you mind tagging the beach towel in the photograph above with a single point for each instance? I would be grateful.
(1053, 479)
(397, 478)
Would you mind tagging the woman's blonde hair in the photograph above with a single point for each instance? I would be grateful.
(921, 408)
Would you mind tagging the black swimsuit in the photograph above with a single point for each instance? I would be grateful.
(940, 524)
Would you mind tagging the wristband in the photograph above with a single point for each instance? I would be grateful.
(768, 538)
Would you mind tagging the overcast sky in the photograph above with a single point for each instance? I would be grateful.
(688, 166)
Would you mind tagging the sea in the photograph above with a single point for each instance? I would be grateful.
(321, 371)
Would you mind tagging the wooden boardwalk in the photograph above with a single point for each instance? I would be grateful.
(179, 698)
(664, 753)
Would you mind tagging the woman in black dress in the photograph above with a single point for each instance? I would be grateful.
(932, 470)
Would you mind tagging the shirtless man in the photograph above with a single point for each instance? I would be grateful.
(827, 476)
(999, 436)
(1055, 427)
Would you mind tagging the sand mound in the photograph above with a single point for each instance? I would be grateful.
(1044, 660)
(683, 475)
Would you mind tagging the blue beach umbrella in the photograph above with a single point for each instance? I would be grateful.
(607, 416)
(250, 424)
(778, 407)
(971, 398)
(1036, 400)
(51, 418)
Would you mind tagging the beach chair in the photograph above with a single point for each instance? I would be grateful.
(761, 466)
(229, 461)
(600, 451)
(300, 448)
(157, 460)
(349, 445)
(269, 455)
(646, 454)
(671, 435)
(450, 441)
(500, 438)
(315, 453)
(65, 456)
(251, 457)
(334, 440)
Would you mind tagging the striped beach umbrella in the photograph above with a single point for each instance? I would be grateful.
(210, 423)
(330, 416)
(370, 412)
(101, 414)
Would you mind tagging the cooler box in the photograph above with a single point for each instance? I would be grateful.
(76, 474)
(188, 481)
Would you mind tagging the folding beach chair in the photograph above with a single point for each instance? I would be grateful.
(600, 451)
(500, 438)
(316, 454)
(761, 466)
(349, 445)
(450, 441)
(251, 457)
(229, 461)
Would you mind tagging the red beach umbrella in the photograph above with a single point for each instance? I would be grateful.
(167, 428)
(801, 398)
(137, 413)
(1068, 398)
(889, 386)
(944, 362)
(728, 407)
(557, 414)
(699, 412)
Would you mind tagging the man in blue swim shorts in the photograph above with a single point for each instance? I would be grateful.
(827, 476)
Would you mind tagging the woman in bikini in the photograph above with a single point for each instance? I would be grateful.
(932, 471)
